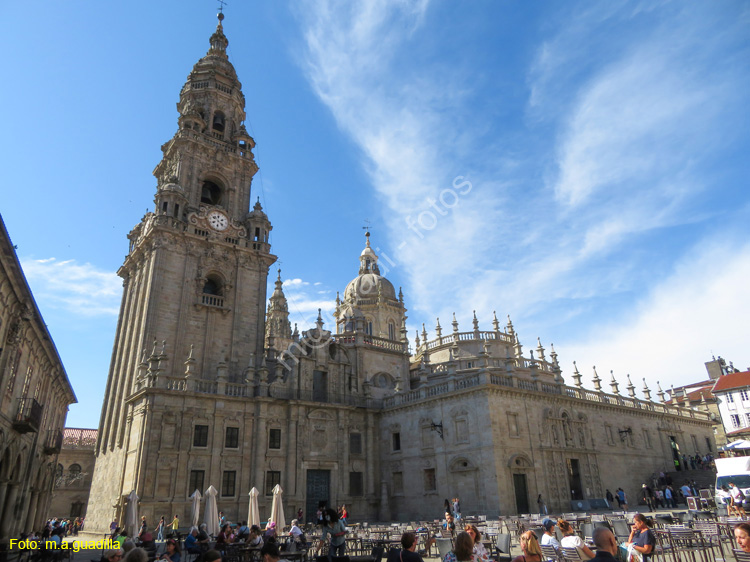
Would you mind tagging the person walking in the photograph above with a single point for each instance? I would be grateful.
(541, 505)
(160, 529)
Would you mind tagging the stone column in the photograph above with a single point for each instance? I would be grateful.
(8, 519)
(29, 526)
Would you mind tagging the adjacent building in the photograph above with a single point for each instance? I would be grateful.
(732, 391)
(75, 469)
(209, 384)
(34, 398)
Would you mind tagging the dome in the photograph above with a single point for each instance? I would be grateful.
(367, 286)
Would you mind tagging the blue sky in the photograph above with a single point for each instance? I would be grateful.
(580, 166)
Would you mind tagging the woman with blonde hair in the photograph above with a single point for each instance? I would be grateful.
(532, 552)
(463, 551)
(571, 540)
(480, 553)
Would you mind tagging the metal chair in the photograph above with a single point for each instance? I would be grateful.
(502, 546)
(444, 546)
(550, 553)
(571, 554)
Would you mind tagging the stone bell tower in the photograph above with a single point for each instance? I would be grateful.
(194, 293)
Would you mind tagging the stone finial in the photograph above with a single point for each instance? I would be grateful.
(295, 334)
(424, 333)
(646, 391)
(404, 333)
(509, 328)
(153, 351)
(416, 340)
(660, 392)
(614, 384)
(455, 324)
(438, 329)
(533, 366)
(577, 376)
(400, 296)
(163, 347)
(475, 322)
(319, 321)
(597, 381)
(540, 349)
(553, 355)
(630, 387)
(495, 322)
(338, 299)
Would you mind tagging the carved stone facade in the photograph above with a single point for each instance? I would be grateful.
(34, 397)
(204, 389)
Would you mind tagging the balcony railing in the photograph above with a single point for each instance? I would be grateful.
(54, 442)
(29, 416)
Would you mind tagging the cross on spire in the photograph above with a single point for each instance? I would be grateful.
(366, 228)
(221, 6)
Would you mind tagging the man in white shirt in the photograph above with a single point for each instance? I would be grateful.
(548, 538)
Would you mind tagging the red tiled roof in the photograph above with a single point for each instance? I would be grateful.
(732, 380)
(698, 389)
(740, 431)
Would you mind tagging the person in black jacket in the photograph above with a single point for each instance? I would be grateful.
(408, 550)
(606, 545)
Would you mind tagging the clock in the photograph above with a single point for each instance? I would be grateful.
(217, 220)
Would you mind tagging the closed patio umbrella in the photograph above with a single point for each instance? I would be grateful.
(277, 509)
(196, 508)
(131, 515)
(253, 514)
(211, 514)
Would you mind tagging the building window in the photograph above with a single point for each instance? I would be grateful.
(429, 480)
(210, 193)
(232, 438)
(274, 439)
(355, 484)
(513, 425)
(320, 386)
(368, 327)
(74, 470)
(227, 483)
(469, 364)
(396, 441)
(391, 331)
(462, 430)
(694, 439)
(743, 395)
(735, 420)
(59, 471)
(200, 436)
(273, 477)
(427, 440)
(730, 398)
(355, 443)
(610, 435)
(398, 483)
(647, 438)
(164, 207)
(708, 444)
(196, 481)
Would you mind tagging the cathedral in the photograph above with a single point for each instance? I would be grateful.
(209, 385)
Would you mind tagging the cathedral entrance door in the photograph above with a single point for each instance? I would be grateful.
(318, 490)
(675, 453)
(522, 493)
(574, 479)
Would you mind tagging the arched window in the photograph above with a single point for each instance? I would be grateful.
(212, 286)
(368, 327)
(74, 470)
(59, 471)
(210, 193)
(391, 331)
(219, 121)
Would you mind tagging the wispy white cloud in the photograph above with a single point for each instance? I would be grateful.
(80, 289)
(304, 299)
(635, 107)
(698, 310)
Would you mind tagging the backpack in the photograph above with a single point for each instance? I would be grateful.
(740, 495)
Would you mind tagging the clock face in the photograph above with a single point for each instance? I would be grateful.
(217, 220)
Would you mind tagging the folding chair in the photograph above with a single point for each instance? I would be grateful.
(444, 547)
(571, 554)
(550, 553)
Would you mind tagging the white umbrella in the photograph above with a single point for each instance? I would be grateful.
(196, 508)
(131, 514)
(253, 514)
(277, 509)
(211, 514)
